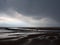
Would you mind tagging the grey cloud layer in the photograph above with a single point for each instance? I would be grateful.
(38, 9)
(46, 8)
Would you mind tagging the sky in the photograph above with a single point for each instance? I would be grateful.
(29, 13)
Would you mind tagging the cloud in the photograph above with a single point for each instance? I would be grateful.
(37, 9)
(12, 18)
(11, 22)
(29, 13)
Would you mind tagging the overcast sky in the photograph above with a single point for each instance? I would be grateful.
(29, 13)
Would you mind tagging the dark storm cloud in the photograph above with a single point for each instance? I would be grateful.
(33, 7)
(38, 9)
(46, 8)
(3, 5)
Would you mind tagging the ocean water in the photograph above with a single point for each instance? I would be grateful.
(11, 35)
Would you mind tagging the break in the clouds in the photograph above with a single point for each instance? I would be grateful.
(29, 13)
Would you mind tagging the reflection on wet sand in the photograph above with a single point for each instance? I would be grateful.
(31, 39)
(28, 37)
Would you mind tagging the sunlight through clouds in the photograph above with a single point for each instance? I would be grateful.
(29, 13)
(15, 19)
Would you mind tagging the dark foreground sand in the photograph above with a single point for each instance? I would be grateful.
(32, 40)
